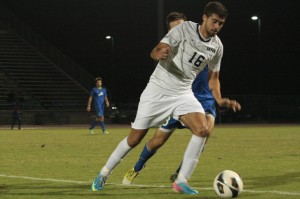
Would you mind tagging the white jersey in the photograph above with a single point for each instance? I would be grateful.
(190, 54)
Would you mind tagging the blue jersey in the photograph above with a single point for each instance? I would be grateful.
(99, 96)
(202, 92)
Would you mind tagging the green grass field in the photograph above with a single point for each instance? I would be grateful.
(62, 163)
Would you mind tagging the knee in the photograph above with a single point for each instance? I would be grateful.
(135, 137)
(133, 141)
(99, 119)
(201, 131)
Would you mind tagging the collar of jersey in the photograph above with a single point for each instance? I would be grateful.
(198, 32)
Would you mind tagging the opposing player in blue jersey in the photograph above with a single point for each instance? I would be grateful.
(203, 94)
(99, 95)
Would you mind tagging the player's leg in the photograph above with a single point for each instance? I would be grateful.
(191, 113)
(210, 123)
(173, 177)
(101, 122)
(160, 137)
(19, 122)
(93, 124)
(153, 108)
(13, 123)
(163, 133)
(118, 154)
(100, 119)
(198, 126)
(102, 125)
(14, 120)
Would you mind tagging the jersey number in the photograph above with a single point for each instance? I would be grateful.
(198, 60)
(167, 121)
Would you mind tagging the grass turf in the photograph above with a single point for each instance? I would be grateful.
(62, 163)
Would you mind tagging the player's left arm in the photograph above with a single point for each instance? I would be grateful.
(106, 98)
(106, 101)
(215, 87)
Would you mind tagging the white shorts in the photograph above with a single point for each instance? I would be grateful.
(154, 108)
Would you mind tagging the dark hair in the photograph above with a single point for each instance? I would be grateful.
(98, 78)
(215, 8)
(173, 16)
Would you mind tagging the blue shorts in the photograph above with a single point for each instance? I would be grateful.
(99, 112)
(171, 123)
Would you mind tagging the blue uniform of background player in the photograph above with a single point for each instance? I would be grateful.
(99, 99)
(99, 95)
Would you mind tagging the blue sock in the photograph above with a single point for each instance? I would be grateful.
(145, 156)
(94, 123)
(102, 126)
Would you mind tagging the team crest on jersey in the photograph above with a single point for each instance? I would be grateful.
(209, 50)
(100, 94)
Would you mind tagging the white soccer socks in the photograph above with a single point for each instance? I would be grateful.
(115, 158)
(190, 158)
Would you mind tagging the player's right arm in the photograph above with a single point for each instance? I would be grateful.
(214, 85)
(160, 52)
(88, 108)
(172, 39)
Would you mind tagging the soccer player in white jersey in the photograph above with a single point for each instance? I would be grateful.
(203, 94)
(182, 54)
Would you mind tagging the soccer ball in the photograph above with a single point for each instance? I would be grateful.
(228, 184)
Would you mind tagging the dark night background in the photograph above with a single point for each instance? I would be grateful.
(78, 28)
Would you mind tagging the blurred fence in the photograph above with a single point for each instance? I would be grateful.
(263, 109)
(255, 109)
(59, 59)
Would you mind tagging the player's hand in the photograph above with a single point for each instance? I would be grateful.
(88, 108)
(107, 104)
(234, 105)
(229, 103)
(163, 53)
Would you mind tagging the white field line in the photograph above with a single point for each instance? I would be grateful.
(140, 185)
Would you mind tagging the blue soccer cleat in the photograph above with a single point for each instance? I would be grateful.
(184, 188)
(98, 183)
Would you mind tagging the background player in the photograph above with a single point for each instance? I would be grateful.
(201, 91)
(99, 95)
(17, 114)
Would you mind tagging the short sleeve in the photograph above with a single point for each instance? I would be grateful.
(174, 36)
(215, 63)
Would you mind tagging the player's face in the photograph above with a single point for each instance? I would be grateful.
(212, 25)
(99, 84)
(175, 23)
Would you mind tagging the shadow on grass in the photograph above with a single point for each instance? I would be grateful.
(265, 181)
(48, 190)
